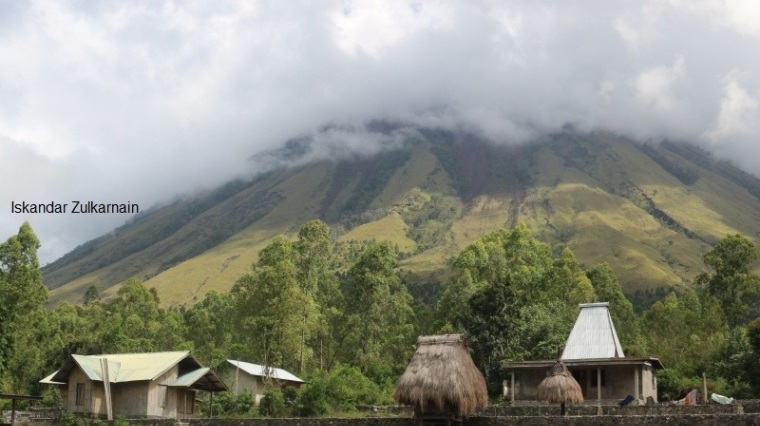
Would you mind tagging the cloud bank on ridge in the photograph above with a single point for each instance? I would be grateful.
(144, 100)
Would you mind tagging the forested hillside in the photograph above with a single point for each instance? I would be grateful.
(347, 323)
(648, 210)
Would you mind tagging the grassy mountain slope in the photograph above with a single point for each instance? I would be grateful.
(650, 211)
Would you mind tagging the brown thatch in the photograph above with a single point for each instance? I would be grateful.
(441, 378)
(560, 386)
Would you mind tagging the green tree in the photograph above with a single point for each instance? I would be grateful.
(208, 328)
(752, 361)
(685, 332)
(313, 253)
(513, 299)
(91, 295)
(378, 328)
(269, 308)
(567, 281)
(22, 293)
(732, 283)
(134, 319)
(607, 289)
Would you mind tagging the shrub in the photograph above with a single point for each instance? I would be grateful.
(227, 404)
(272, 404)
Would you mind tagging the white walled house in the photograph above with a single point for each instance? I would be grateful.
(253, 378)
(595, 358)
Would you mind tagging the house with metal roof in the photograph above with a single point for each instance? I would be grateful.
(253, 378)
(149, 385)
(595, 358)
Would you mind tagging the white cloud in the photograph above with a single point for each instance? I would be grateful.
(657, 86)
(143, 100)
(739, 113)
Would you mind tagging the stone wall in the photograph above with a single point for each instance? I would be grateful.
(666, 420)
(613, 410)
(745, 412)
(750, 405)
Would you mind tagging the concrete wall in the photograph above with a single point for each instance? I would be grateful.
(617, 383)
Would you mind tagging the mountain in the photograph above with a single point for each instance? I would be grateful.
(649, 210)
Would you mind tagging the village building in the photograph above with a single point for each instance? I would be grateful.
(146, 385)
(595, 358)
(253, 378)
(441, 381)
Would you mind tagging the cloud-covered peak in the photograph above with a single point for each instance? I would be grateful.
(143, 100)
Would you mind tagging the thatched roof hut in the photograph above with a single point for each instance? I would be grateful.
(560, 386)
(441, 378)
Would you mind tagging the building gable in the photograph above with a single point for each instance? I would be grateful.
(593, 335)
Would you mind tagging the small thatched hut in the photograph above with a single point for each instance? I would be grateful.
(441, 380)
(559, 386)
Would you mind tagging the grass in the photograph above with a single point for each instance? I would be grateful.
(600, 209)
(389, 228)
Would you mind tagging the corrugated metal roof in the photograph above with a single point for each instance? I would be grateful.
(49, 379)
(201, 379)
(121, 367)
(258, 370)
(572, 363)
(190, 378)
(593, 335)
(141, 366)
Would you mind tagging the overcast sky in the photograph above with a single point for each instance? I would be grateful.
(143, 100)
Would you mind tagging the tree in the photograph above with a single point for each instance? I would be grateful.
(207, 326)
(607, 289)
(91, 295)
(313, 252)
(513, 299)
(752, 362)
(685, 332)
(22, 293)
(378, 324)
(269, 308)
(732, 282)
(567, 281)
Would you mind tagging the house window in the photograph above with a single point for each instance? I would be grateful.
(80, 394)
(593, 377)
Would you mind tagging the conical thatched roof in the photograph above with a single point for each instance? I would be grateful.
(441, 377)
(559, 386)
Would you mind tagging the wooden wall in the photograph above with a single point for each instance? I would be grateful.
(244, 382)
(130, 399)
(162, 400)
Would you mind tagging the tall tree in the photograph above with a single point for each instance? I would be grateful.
(752, 362)
(684, 332)
(22, 293)
(313, 252)
(607, 288)
(378, 325)
(513, 298)
(209, 330)
(732, 282)
(269, 306)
